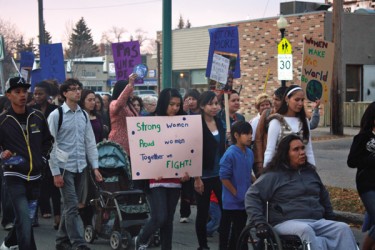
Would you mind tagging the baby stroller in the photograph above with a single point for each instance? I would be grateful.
(119, 210)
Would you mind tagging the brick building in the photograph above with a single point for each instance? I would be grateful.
(258, 41)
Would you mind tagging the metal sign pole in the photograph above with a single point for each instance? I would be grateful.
(2, 78)
(2, 52)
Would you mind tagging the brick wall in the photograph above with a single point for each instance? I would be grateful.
(258, 52)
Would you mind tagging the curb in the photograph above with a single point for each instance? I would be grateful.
(350, 218)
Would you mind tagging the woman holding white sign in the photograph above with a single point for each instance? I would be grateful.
(213, 149)
(164, 193)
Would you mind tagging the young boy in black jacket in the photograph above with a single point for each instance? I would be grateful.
(25, 141)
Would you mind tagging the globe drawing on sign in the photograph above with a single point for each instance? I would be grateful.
(140, 70)
(314, 90)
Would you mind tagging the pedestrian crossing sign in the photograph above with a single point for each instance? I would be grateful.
(284, 47)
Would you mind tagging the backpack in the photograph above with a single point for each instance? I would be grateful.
(61, 117)
(285, 128)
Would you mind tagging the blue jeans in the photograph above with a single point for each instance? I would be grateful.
(368, 199)
(6, 203)
(22, 192)
(215, 217)
(163, 202)
(71, 226)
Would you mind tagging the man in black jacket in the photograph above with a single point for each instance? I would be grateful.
(25, 141)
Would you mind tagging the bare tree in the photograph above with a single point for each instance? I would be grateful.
(114, 34)
(12, 38)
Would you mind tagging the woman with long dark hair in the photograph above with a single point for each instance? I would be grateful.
(213, 149)
(290, 118)
(88, 103)
(163, 193)
(120, 108)
(297, 202)
(362, 157)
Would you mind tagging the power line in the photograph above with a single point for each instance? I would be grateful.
(264, 12)
(103, 6)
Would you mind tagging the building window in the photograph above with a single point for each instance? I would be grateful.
(198, 77)
(353, 83)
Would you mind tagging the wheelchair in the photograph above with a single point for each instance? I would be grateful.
(249, 241)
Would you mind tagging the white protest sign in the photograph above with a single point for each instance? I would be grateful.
(166, 146)
(219, 69)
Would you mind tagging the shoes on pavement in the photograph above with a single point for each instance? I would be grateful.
(138, 246)
(184, 220)
(82, 247)
(46, 216)
(9, 226)
(4, 247)
(64, 246)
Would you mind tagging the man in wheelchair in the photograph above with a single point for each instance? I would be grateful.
(296, 201)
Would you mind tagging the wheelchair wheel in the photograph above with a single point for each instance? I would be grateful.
(249, 241)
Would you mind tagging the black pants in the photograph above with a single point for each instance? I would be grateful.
(187, 198)
(203, 205)
(231, 226)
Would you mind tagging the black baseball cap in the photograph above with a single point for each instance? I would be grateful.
(16, 82)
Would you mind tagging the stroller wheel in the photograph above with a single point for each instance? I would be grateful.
(89, 234)
(115, 240)
(126, 240)
(155, 239)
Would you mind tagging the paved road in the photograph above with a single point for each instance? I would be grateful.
(330, 157)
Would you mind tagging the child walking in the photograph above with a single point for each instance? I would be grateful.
(235, 174)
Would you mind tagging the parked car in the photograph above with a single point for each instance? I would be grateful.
(145, 92)
(102, 93)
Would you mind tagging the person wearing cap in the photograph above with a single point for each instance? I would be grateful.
(25, 141)
(75, 142)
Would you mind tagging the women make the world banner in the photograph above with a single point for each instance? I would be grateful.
(317, 69)
(165, 146)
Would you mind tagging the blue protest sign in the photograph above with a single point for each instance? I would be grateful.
(36, 77)
(27, 59)
(224, 42)
(52, 61)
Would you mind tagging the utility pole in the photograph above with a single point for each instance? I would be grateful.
(167, 44)
(41, 22)
(337, 87)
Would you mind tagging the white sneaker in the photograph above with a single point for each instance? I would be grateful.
(4, 247)
(137, 245)
(9, 226)
(184, 220)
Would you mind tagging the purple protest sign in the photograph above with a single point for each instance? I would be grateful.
(126, 56)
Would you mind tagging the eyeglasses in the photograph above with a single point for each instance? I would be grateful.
(74, 89)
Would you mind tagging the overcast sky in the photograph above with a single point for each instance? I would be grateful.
(101, 15)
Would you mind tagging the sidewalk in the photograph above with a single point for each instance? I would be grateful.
(324, 133)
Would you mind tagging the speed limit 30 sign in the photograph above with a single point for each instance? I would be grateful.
(285, 67)
(284, 60)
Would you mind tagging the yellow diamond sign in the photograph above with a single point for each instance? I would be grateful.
(284, 47)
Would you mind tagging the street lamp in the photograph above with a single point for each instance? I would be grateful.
(281, 24)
